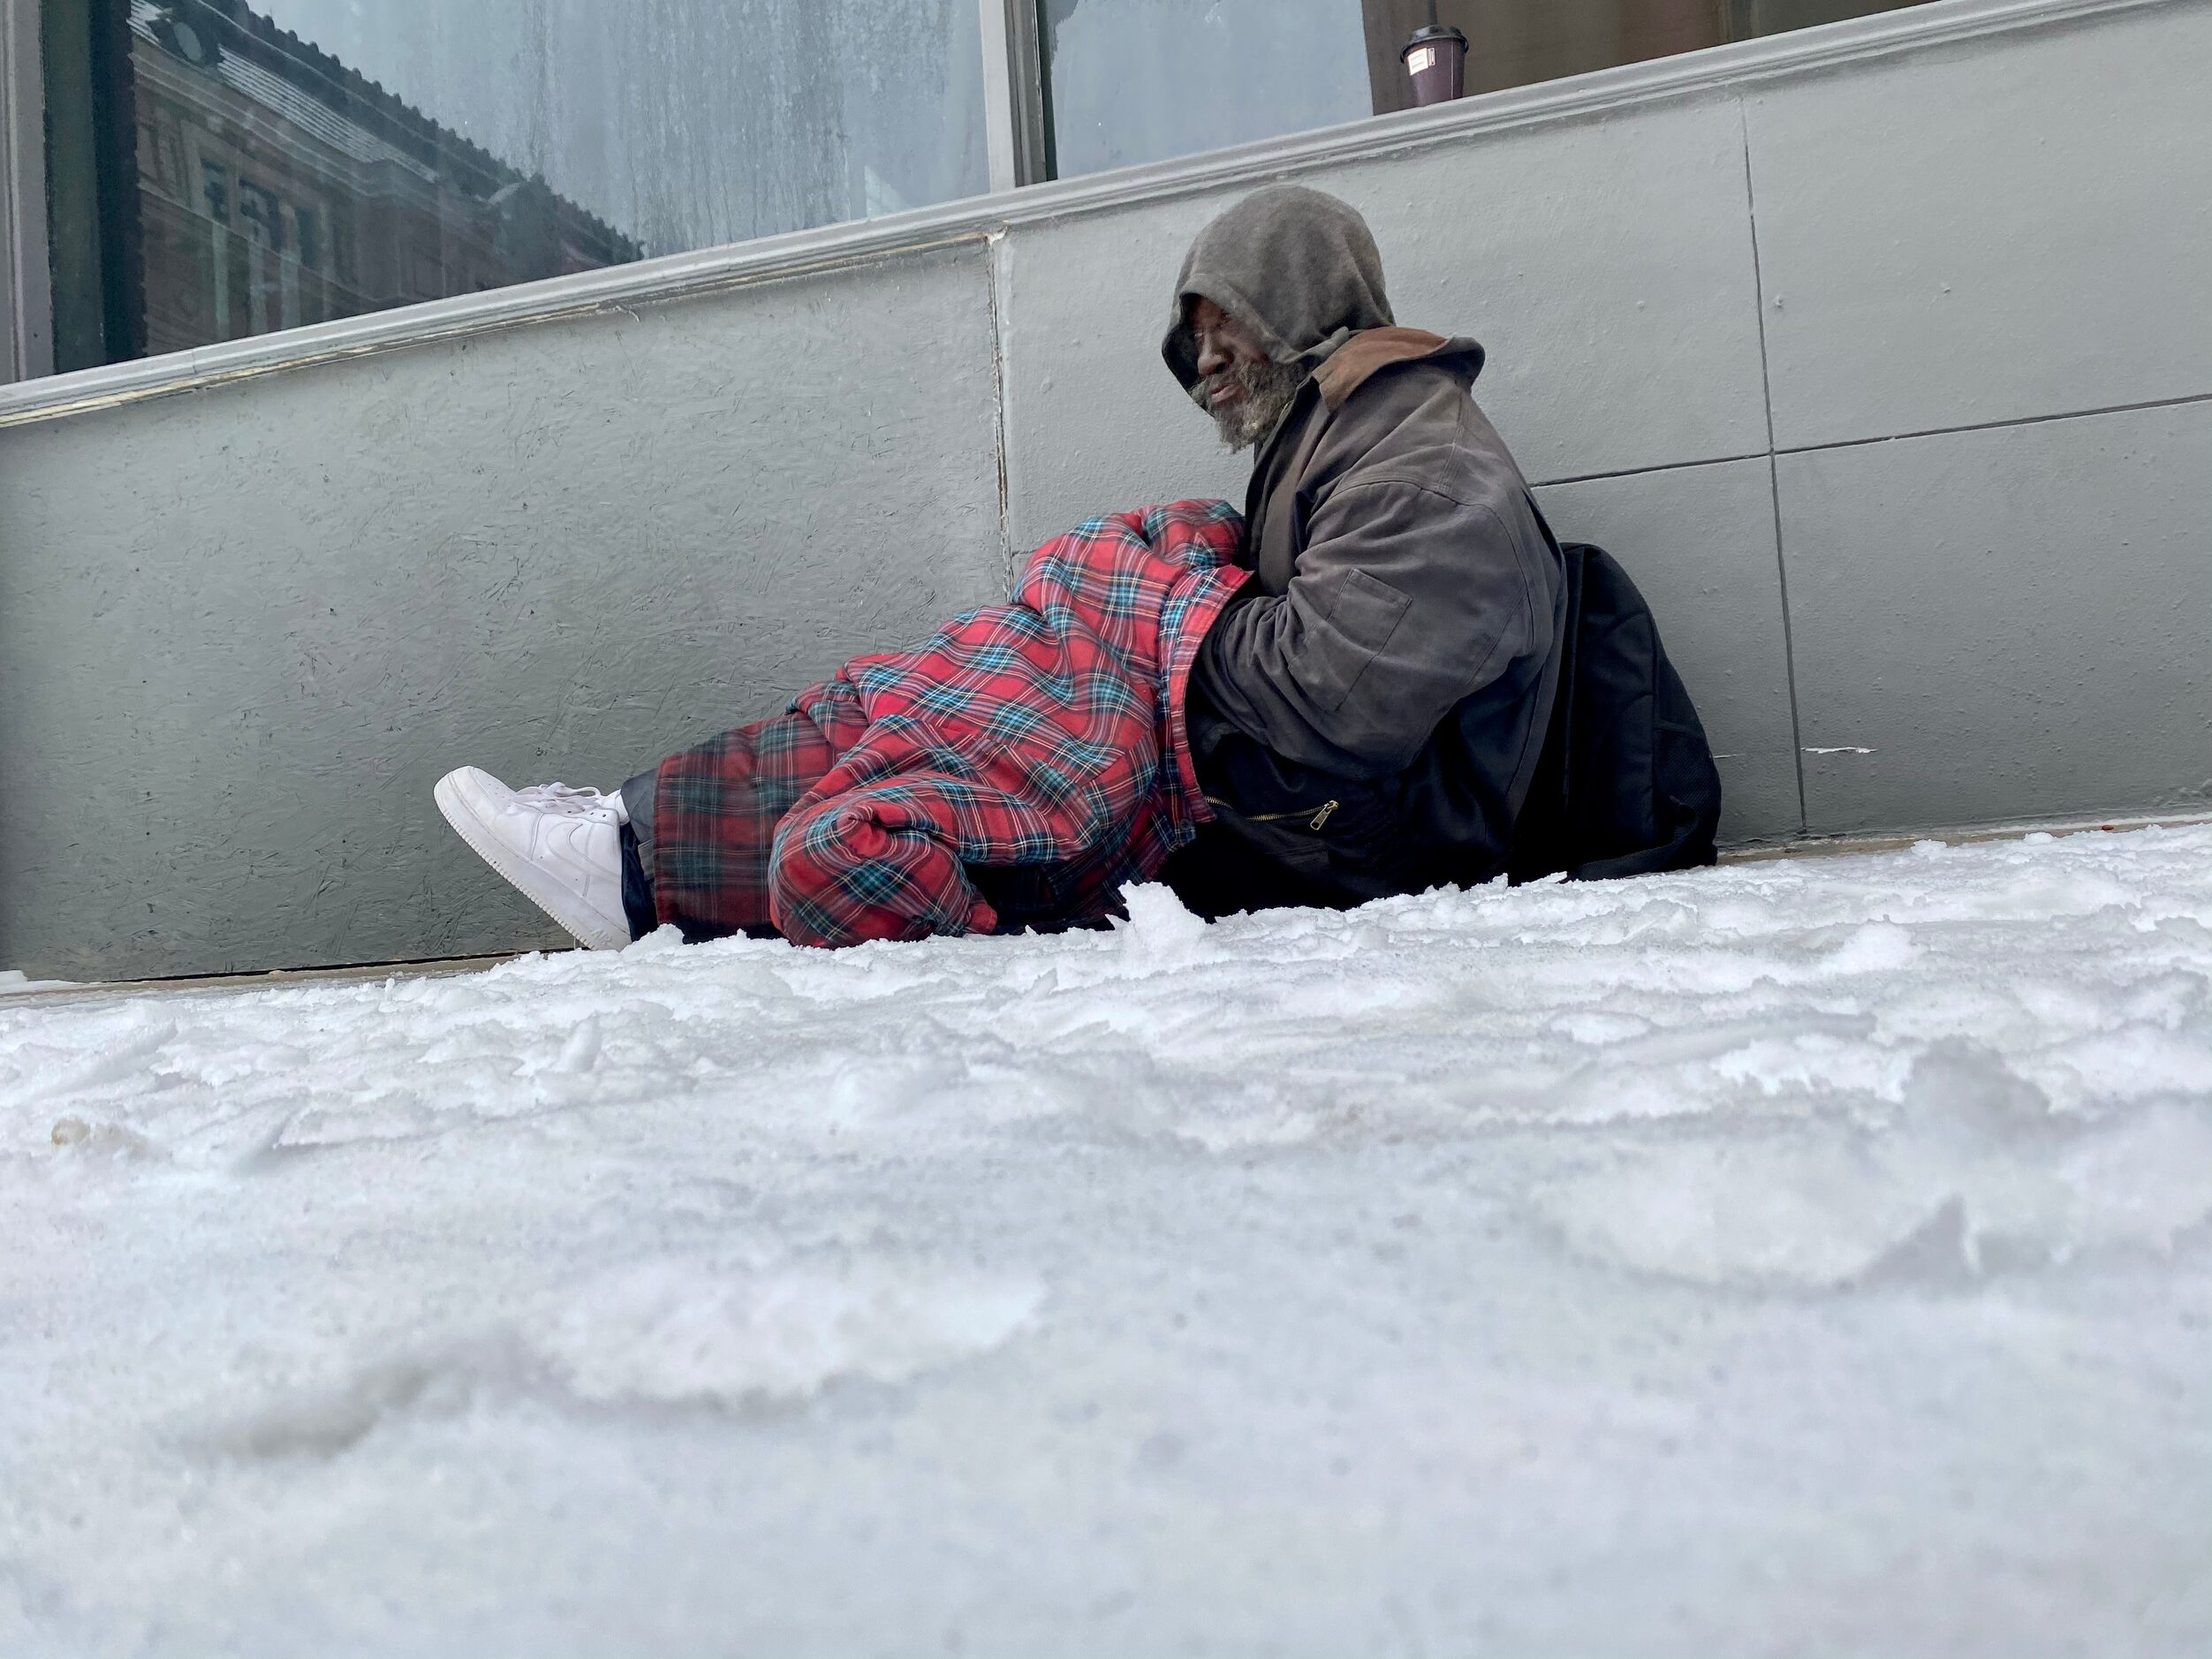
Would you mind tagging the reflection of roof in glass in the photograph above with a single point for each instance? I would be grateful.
(302, 109)
(297, 80)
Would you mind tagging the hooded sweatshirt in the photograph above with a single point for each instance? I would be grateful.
(1296, 267)
(1409, 605)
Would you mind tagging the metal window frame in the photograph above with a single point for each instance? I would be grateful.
(25, 289)
(1017, 94)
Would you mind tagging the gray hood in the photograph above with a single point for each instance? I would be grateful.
(1296, 267)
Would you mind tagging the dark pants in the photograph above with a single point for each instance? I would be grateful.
(637, 854)
(1283, 835)
(1219, 874)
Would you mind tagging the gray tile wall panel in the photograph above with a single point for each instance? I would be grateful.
(1606, 265)
(1094, 421)
(242, 632)
(1999, 230)
(2011, 624)
(1699, 542)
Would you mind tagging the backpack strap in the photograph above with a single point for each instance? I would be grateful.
(1553, 727)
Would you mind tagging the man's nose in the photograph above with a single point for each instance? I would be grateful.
(1211, 359)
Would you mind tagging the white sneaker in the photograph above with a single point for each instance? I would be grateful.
(562, 846)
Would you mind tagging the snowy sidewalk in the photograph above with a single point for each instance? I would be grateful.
(1793, 1258)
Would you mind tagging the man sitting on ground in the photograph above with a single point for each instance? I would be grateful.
(1344, 695)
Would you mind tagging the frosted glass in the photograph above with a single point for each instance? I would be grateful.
(323, 158)
(689, 123)
(1143, 80)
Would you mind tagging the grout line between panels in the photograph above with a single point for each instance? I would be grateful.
(1642, 472)
(1774, 477)
(995, 253)
(2182, 402)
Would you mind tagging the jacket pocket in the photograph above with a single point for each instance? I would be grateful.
(1333, 839)
(1358, 615)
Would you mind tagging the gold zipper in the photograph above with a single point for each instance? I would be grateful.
(1314, 822)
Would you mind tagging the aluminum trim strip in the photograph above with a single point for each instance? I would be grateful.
(25, 292)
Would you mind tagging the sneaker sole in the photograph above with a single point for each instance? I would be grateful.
(588, 931)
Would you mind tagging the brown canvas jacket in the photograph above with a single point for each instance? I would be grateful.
(1401, 567)
(1405, 630)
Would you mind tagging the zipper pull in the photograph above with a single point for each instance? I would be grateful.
(1321, 817)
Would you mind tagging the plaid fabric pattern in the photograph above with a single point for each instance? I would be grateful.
(1018, 769)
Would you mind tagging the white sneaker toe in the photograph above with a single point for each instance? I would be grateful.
(561, 847)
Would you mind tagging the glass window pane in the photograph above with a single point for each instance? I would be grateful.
(1139, 81)
(302, 160)
(1143, 80)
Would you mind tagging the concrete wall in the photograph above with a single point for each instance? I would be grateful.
(1984, 266)
(1606, 265)
(242, 632)
(1973, 264)
(1881, 356)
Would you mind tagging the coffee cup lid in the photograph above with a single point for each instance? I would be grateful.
(1433, 34)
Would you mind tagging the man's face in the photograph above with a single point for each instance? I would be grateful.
(1244, 389)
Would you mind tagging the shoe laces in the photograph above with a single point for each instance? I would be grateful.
(563, 800)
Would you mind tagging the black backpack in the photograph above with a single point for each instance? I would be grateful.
(1626, 782)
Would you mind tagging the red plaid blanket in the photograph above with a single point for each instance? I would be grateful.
(1017, 770)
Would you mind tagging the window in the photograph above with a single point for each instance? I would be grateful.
(1139, 81)
(218, 169)
(1143, 80)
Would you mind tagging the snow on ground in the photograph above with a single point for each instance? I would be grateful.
(1811, 1256)
(14, 982)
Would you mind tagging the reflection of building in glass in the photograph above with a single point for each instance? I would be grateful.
(278, 187)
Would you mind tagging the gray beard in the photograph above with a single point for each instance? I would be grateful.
(1267, 388)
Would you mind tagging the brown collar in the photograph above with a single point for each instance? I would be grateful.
(1352, 364)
